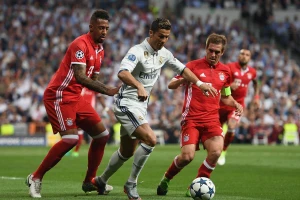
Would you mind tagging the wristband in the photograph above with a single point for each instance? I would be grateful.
(256, 97)
(106, 109)
(198, 83)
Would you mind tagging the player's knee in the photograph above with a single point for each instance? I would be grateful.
(215, 154)
(187, 158)
(150, 140)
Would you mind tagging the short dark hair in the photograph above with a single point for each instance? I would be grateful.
(100, 14)
(216, 39)
(160, 23)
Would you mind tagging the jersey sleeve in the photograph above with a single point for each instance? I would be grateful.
(78, 52)
(130, 60)
(174, 63)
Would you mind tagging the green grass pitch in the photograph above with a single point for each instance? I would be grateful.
(251, 172)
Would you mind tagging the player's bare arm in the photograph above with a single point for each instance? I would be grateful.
(188, 75)
(175, 83)
(126, 77)
(256, 93)
(81, 78)
(229, 100)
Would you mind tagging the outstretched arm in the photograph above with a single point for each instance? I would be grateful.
(188, 75)
(92, 83)
(256, 93)
(175, 83)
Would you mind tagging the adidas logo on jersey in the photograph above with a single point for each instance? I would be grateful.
(202, 75)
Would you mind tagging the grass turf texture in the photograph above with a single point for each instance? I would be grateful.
(250, 172)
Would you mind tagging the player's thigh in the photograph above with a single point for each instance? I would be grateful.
(88, 119)
(190, 134)
(212, 137)
(62, 116)
(130, 117)
(146, 134)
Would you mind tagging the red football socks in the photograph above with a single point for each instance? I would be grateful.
(205, 169)
(54, 156)
(228, 139)
(95, 156)
(173, 170)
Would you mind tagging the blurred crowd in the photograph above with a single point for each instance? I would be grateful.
(35, 34)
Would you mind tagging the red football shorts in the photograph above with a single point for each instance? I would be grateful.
(194, 133)
(226, 114)
(68, 115)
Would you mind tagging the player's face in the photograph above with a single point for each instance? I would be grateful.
(158, 39)
(244, 57)
(98, 30)
(214, 53)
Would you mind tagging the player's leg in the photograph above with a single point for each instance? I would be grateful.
(119, 157)
(75, 152)
(189, 144)
(141, 155)
(62, 119)
(229, 136)
(89, 121)
(180, 161)
(213, 142)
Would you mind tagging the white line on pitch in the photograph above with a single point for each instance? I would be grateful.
(11, 178)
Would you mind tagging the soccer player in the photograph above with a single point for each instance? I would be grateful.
(242, 75)
(200, 113)
(139, 70)
(67, 110)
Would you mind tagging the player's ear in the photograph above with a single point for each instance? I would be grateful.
(91, 27)
(151, 33)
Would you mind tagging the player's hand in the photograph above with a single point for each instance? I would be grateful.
(142, 93)
(112, 91)
(234, 86)
(208, 90)
(239, 109)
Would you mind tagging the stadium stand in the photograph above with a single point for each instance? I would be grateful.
(34, 34)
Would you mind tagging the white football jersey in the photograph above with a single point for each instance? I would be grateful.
(145, 66)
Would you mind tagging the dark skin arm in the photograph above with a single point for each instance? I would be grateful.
(92, 83)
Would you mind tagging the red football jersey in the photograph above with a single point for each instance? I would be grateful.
(63, 85)
(242, 78)
(198, 107)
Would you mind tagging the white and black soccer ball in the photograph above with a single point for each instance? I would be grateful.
(202, 188)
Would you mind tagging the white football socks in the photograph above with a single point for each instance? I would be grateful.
(141, 156)
(115, 162)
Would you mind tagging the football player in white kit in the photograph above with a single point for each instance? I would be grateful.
(139, 70)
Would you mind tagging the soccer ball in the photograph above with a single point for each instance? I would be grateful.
(202, 188)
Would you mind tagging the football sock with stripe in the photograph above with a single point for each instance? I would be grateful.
(95, 154)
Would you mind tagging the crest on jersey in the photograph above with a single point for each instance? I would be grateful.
(69, 121)
(146, 54)
(141, 118)
(249, 76)
(131, 57)
(79, 54)
(236, 73)
(186, 137)
(161, 60)
(221, 76)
